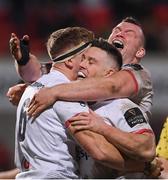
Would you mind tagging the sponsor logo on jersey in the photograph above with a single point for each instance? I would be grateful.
(80, 153)
(134, 116)
(37, 84)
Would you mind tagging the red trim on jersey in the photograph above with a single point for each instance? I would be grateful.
(67, 124)
(141, 131)
(133, 77)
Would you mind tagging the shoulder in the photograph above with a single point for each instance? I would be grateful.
(52, 78)
(136, 67)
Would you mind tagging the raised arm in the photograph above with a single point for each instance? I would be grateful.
(27, 65)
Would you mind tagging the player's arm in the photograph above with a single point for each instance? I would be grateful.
(94, 144)
(103, 152)
(11, 174)
(99, 148)
(139, 146)
(27, 65)
(31, 71)
(120, 84)
(15, 93)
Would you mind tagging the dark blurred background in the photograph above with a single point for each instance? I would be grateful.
(38, 18)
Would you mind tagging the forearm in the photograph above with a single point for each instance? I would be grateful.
(136, 146)
(31, 71)
(11, 174)
(99, 149)
(118, 85)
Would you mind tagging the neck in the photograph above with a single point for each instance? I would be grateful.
(63, 69)
(131, 61)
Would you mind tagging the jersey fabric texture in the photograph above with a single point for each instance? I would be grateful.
(144, 91)
(43, 147)
(162, 147)
(121, 113)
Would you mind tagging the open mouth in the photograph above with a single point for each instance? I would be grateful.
(118, 44)
(81, 75)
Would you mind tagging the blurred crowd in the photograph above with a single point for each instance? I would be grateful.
(39, 18)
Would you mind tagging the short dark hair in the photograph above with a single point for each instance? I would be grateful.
(110, 49)
(132, 20)
(63, 39)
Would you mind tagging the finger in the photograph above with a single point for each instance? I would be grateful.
(32, 102)
(38, 111)
(13, 35)
(78, 123)
(32, 109)
(78, 128)
(82, 114)
(8, 94)
(78, 118)
(26, 38)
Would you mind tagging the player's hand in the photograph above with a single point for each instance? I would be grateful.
(15, 93)
(14, 44)
(87, 121)
(156, 168)
(164, 172)
(41, 100)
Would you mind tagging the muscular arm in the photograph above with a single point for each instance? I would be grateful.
(99, 149)
(107, 154)
(136, 146)
(120, 84)
(31, 71)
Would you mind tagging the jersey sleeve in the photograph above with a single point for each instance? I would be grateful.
(65, 110)
(129, 117)
(136, 121)
(143, 86)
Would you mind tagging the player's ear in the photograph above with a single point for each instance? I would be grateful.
(69, 63)
(109, 72)
(140, 53)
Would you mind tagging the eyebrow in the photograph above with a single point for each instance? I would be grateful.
(92, 59)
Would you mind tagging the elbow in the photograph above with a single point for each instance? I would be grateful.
(112, 161)
(148, 155)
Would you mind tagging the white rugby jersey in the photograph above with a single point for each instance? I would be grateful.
(43, 148)
(122, 114)
(144, 91)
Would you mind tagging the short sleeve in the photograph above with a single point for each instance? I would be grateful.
(65, 110)
(127, 116)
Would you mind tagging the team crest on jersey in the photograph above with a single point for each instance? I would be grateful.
(134, 116)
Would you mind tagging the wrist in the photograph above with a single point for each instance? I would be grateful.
(54, 93)
(24, 48)
(149, 167)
